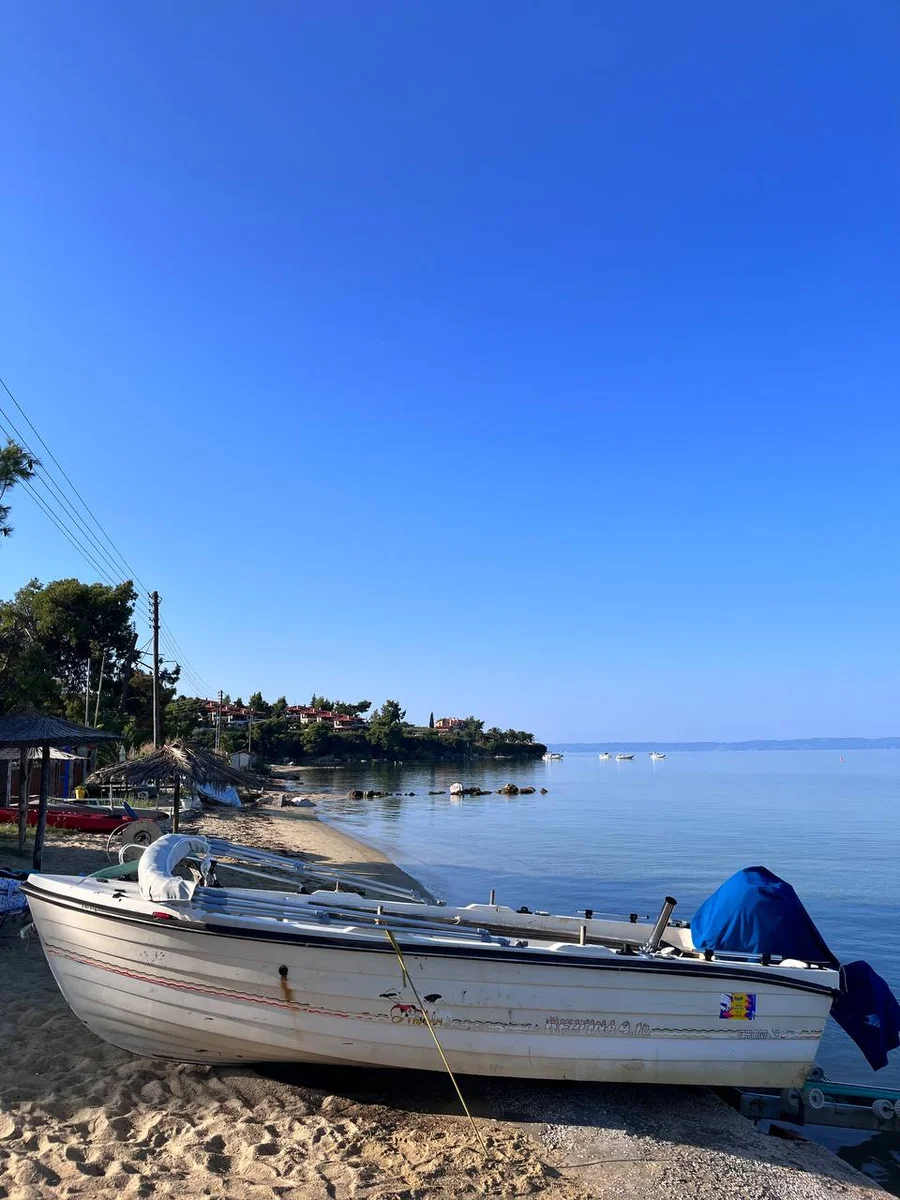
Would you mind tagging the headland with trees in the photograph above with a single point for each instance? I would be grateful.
(71, 649)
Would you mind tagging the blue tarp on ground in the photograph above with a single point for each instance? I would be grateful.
(219, 795)
(755, 912)
(12, 898)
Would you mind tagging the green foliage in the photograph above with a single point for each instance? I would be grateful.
(317, 739)
(135, 717)
(340, 707)
(259, 705)
(279, 707)
(472, 729)
(431, 721)
(47, 634)
(16, 466)
(183, 717)
(385, 730)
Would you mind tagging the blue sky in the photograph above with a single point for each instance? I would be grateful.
(533, 360)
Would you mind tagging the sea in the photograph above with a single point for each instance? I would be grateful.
(619, 836)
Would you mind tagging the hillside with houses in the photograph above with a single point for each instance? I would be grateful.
(328, 731)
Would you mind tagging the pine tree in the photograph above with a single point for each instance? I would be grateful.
(431, 721)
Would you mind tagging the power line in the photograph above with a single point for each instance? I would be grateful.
(185, 661)
(68, 536)
(48, 483)
(54, 505)
(129, 569)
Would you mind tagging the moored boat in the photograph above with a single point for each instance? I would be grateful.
(605, 756)
(624, 757)
(181, 969)
(551, 756)
(655, 756)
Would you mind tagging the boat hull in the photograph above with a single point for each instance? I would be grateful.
(196, 993)
(64, 818)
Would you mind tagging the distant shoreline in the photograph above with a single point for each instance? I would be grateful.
(849, 743)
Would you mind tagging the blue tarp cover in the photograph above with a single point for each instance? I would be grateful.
(755, 912)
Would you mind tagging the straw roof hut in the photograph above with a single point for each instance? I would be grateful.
(176, 763)
(26, 731)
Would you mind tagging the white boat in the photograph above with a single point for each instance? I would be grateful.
(624, 757)
(551, 757)
(179, 969)
(605, 756)
(655, 756)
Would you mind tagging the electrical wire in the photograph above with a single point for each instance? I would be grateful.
(42, 476)
(111, 566)
(129, 569)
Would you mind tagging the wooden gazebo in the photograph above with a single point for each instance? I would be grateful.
(27, 730)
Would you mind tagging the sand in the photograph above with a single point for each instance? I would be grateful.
(81, 1118)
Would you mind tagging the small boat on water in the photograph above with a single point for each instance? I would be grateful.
(551, 757)
(655, 756)
(368, 974)
(605, 756)
(624, 757)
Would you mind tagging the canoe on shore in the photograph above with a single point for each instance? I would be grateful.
(68, 817)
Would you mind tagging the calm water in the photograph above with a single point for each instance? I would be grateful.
(617, 837)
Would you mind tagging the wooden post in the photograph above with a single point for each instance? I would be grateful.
(154, 617)
(176, 803)
(24, 770)
(42, 809)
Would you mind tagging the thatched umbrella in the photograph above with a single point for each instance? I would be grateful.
(175, 763)
(27, 730)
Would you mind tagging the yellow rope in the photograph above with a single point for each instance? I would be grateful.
(407, 978)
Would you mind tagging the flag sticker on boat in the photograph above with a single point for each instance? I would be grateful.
(737, 1006)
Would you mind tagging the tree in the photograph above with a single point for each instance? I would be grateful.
(137, 709)
(239, 703)
(16, 466)
(316, 738)
(386, 727)
(259, 705)
(431, 721)
(54, 630)
(279, 707)
(183, 716)
(473, 728)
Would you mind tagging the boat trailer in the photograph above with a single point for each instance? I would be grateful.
(822, 1101)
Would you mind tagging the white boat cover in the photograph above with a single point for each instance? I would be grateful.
(155, 878)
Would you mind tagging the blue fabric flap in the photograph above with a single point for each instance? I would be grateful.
(868, 1012)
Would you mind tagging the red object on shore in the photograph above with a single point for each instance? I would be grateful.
(68, 818)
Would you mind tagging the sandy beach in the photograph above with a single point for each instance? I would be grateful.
(81, 1118)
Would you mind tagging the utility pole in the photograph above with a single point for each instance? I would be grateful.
(87, 692)
(154, 618)
(99, 688)
(219, 721)
(250, 734)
